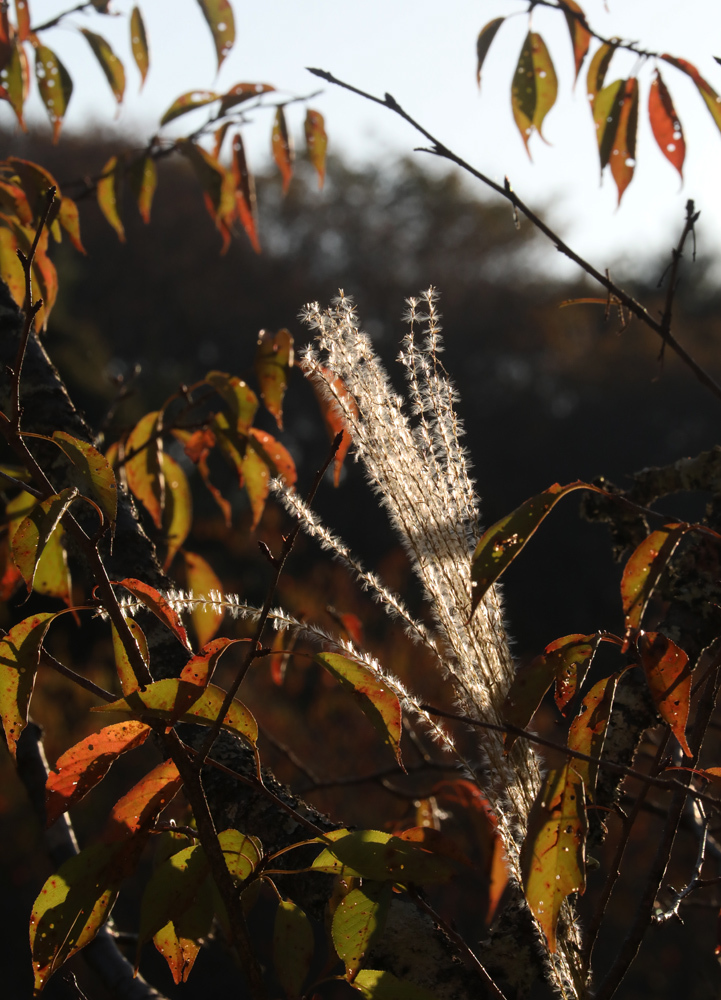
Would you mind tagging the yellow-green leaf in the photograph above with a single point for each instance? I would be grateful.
(502, 542)
(282, 148)
(534, 88)
(240, 400)
(171, 890)
(172, 700)
(19, 658)
(144, 469)
(273, 361)
(108, 195)
(375, 984)
(242, 854)
(109, 63)
(11, 270)
(69, 219)
(316, 142)
(381, 857)
(293, 947)
(219, 15)
(553, 854)
(178, 509)
(202, 581)
(143, 182)
(483, 43)
(139, 44)
(51, 573)
(35, 530)
(55, 86)
(606, 116)
(73, 904)
(588, 730)
(375, 698)
(14, 79)
(188, 102)
(358, 922)
(597, 71)
(255, 476)
(126, 674)
(91, 474)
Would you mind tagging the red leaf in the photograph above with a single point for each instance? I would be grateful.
(333, 396)
(711, 98)
(666, 124)
(200, 669)
(150, 597)
(669, 679)
(276, 457)
(81, 767)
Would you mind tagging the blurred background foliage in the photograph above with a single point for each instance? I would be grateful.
(547, 394)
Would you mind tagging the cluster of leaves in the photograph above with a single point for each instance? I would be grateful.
(228, 191)
(614, 106)
(554, 849)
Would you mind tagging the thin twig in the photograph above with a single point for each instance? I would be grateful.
(437, 148)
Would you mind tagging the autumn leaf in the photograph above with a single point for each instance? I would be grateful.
(82, 766)
(69, 219)
(502, 542)
(293, 947)
(244, 193)
(241, 92)
(91, 474)
(282, 148)
(35, 530)
(643, 569)
(709, 95)
(108, 195)
(240, 400)
(483, 43)
(52, 576)
(316, 142)
(561, 662)
(358, 922)
(553, 853)
(72, 906)
(144, 468)
(178, 508)
(332, 395)
(126, 673)
(375, 984)
(137, 810)
(373, 695)
(588, 730)
(606, 116)
(534, 88)
(219, 16)
(188, 102)
(19, 658)
(580, 35)
(14, 79)
(274, 454)
(665, 124)
(255, 475)
(156, 603)
(139, 44)
(380, 857)
(273, 361)
(202, 581)
(171, 700)
(597, 70)
(623, 152)
(143, 182)
(109, 63)
(171, 891)
(668, 675)
(199, 669)
(55, 86)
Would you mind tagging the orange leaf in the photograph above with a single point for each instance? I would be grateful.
(242, 92)
(282, 149)
(669, 679)
(553, 853)
(200, 669)
(69, 219)
(330, 394)
(144, 469)
(273, 361)
(274, 454)
(665, 124)
(711, 98)
(623, 153)
(316, 142)
(643, 569)
(82, 766)
(150, 597)
(244, 193)
(137, 809)
(580, 35)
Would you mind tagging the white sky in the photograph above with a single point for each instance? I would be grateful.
(423, 53)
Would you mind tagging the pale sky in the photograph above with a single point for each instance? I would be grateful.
(423, 53)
